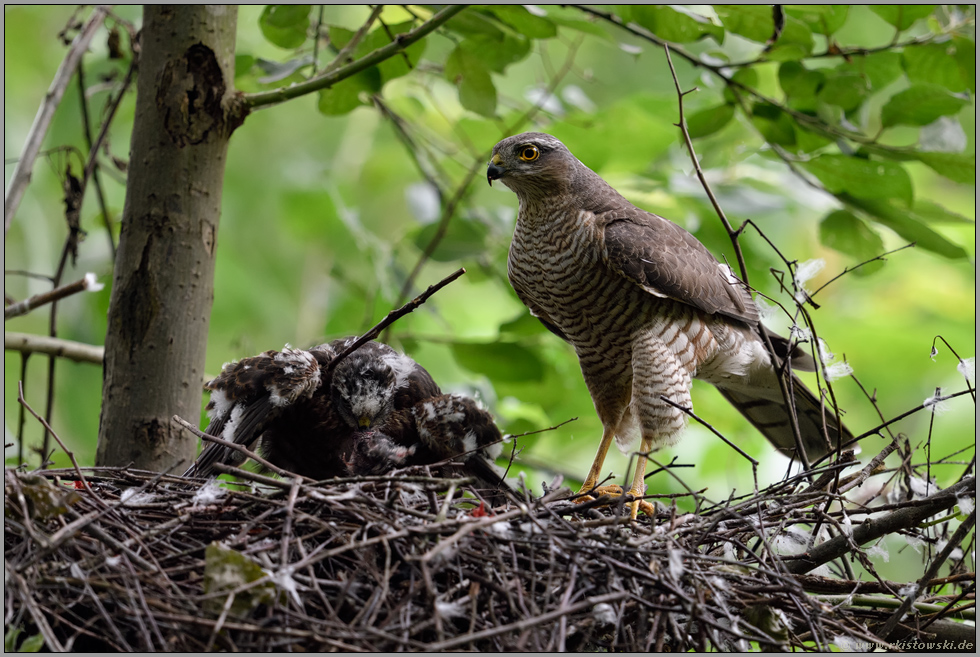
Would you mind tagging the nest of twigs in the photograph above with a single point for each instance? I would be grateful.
(131, 560)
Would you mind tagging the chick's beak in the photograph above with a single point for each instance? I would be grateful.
(495, 168)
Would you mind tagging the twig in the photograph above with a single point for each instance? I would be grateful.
(447, 214)
(71, 455)
(236, 447)
(25, 164)
(39, 618)
(969, 385)
(343, 57)
(327, 80)
(873, 466)
(390, 319)
(87, 283)
(953, 544)
(29, 343)
(903, 518)
(848, 270)
(96, 179)
(733, 236)
(106, 123)
(710, 428)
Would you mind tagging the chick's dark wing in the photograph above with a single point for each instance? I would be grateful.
(250, 394)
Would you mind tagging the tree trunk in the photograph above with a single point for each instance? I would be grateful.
(162, 286)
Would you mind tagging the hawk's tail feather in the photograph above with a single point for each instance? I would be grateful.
(770, 417)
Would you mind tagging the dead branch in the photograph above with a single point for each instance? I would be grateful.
(907, 517)
(85, 284)
(25, 164)
(28, 343)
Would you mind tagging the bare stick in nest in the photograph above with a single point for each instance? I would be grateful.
(71, 455)
(904, 518)
(390, 319)
(238, 448)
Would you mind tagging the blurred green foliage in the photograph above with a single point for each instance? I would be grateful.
(836, 142)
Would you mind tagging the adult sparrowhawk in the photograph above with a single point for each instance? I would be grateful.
(646, 307)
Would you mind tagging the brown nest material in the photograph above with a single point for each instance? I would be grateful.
(132, 560)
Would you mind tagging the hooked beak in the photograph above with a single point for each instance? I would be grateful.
(495, 168)
(364, 422)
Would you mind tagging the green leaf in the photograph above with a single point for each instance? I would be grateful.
(843, 231)
(920, 104)
(346, 95)
(285, 25)
(774, 124)
(32, 643)
(808, 141)
(391, 68)
(966, 60)
(473, 22)
(869, 179)
(847, 91)
(823, 19)
(463, 239)
(908, 225)
(958, 167)
(902, 16)
(934, 213)
(754, 22)
(795, 42)
(401, 63)
(519, 18)
(880, 69)
(585, 27)
(709, 121)
(476, 90)
(499, 361)
(747, 77)
(672, 25)
(934, 63)
(497, 54)
(800, 84)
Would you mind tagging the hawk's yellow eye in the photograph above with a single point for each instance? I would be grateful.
(528, 153)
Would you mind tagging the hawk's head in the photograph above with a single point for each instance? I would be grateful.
(532, 162)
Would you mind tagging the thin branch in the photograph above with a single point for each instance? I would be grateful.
(104, 129)
(953, 544)
(28, 343)
(47, 427)
(343, 57)
(42, 120)
(390, 319)
(904, 518)
(733, 235)
(236, 447)
(96, 179)
(848, 270)
(327, 80)
(447, 214)
(85, 284)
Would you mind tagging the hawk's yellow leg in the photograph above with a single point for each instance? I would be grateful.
(636, 490)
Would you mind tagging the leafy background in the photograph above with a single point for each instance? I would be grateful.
(331, 200)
